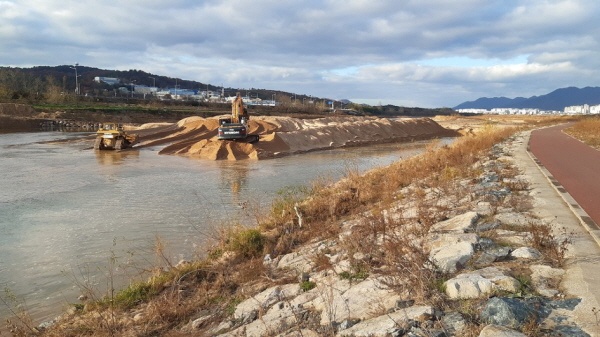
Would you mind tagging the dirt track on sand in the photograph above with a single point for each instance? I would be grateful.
(280, 136)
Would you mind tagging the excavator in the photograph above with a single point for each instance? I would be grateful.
(236, 127)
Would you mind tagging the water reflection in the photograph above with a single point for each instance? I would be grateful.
(234, 178)
(115, 157)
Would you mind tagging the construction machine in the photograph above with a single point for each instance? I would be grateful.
(236, 127)
(111, 136)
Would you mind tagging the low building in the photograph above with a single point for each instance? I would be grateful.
(107, 80)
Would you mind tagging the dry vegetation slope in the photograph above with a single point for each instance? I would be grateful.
(281, 136)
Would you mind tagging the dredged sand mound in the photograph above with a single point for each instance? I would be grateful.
(280, 136)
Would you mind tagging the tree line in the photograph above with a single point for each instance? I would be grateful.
(55, 85)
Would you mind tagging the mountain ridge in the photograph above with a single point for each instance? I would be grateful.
(556, 100)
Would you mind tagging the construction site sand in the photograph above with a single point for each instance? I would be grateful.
(280, 136)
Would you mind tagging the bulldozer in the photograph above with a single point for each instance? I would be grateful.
(111, 136)
(236, 127)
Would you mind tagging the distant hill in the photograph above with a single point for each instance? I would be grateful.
(556, 100)
(64, 75)
(27, 83)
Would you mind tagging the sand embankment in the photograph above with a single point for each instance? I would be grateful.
(280, 136)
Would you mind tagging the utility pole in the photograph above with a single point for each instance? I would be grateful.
(76, 82)
(154, 90)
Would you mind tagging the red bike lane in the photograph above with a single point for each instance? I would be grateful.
(575, 165)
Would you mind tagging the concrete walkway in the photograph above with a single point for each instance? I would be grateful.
(582, 277)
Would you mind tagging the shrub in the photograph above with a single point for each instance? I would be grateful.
(247, 242)
(135, 293)
(307, 285)
(552, 247)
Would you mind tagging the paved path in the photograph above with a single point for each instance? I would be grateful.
(574, 168)
(582, 271)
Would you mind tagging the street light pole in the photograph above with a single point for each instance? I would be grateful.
(154, 82)
(76, 82)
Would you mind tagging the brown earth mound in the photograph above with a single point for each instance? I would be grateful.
(280, 136)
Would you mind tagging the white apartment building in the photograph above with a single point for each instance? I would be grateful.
(577, 110)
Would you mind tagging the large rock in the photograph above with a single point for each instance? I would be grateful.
(387, 325)
(454, 323)
(296, 261)
(491, 255)
(281, 317)
(264, 300)
(480, 283)
(435, 241)
(527, 253)
(337, 300)
(278, 318)
(451, 258)
(468, 286)
(507, 312)
(461, 223)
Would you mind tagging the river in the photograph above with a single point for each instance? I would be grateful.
(70, 215)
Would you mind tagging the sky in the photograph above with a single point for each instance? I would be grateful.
(413, 53)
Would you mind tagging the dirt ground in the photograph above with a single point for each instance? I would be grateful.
(280, 136)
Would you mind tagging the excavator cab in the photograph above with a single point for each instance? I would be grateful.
(236, 126)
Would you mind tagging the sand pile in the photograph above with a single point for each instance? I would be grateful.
(280, 136)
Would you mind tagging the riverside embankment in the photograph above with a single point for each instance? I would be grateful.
(459, 242)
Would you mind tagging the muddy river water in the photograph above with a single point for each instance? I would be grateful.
(69, 215)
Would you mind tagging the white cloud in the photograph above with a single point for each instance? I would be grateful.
(423, 52)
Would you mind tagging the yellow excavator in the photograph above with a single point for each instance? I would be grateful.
(111, 136)
(236, 126)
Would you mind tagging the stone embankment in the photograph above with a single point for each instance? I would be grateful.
(485, 251)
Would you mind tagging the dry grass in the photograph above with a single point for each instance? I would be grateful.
(587, 130)
(552, 245)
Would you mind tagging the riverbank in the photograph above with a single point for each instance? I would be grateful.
(435, 243)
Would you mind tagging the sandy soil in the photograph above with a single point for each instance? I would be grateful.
(280, 136)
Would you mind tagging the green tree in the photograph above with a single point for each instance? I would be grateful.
(53, 92)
